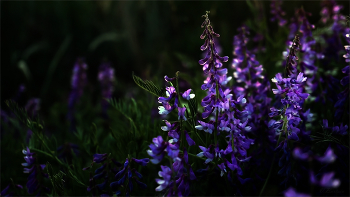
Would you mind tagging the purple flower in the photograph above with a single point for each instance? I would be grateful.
(78, 83)
(291, 61)
(328, 181)
(99, 158)
(277, 12)
(166, 101)
(207, 127)
(106, 78)
(35, 179)
(166, 181)
(186, 95)
(182, 113)
(328, 156)
(207, 153)
(297, 152)
(159, 148)
(292, 193)
(189, 140)
(10, 189)
(142, 162)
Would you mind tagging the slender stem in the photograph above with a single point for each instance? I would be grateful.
(179, 105)
(270, 171)
(284, 129)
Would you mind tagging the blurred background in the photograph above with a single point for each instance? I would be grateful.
(41, 40)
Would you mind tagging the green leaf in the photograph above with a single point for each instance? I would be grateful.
(124, 109)
(71, 175)
(22, 115)
(132, 147)
(192, 103)
(56, 180)
(149, 86)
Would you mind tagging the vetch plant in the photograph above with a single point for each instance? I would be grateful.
(221, 129)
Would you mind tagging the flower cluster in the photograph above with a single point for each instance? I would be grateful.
(338, 130)
(277, 12)
(248, 75)
(123, 175)
(78, 83)
(106, 78)
(343, 97)
(171, 102)
(11, 189)
(324, 180)
(228, 120)
(177, 178)
(37, 175)
(291, 88)
(129, 174)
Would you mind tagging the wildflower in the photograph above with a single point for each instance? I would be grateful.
(292, 193)
(106, 78)
(186, 95)
(277, 12)
(36, 171)
(159, 148)
(10, 189)
(182, 113)
(78, 83)
(166, 175)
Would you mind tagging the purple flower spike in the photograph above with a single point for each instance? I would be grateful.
(35, 179)
(106, 78)
(78, 83)
(142, 162)
(277, 12)
(186, 95)
(182, 113)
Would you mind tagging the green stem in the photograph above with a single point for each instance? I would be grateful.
(284, 129)
(270, 171)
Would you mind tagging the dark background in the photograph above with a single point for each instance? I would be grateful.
(150, 38)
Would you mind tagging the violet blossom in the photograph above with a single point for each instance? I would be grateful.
(78, 83)
(106, 78)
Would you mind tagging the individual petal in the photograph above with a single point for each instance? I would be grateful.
(292, 193)
(189, 140)
(142, 162)
(328, 157)
(328, 181)
(297, 152)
